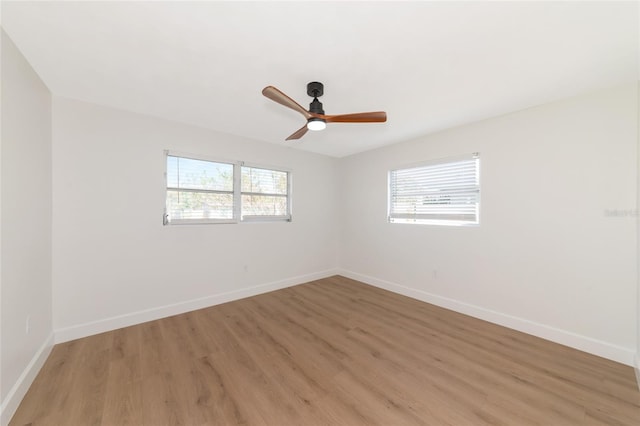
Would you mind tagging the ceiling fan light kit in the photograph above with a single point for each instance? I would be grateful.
(315, 116)
(316, 124)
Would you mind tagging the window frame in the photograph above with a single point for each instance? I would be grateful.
(406, 220)
(236, 191)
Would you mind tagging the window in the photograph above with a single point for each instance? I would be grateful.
(198, 190)
(444, 192)
(206, 191)
(265, 194)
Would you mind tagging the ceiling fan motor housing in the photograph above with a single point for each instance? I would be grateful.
(315, 89)
(316, 107)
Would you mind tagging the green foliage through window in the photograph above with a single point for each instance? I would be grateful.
(264, 192)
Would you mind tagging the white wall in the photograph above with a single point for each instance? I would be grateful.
(25, 223)
(114, 262)
(546, 259)
(637, 359)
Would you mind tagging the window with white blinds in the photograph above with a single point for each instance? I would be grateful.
(265, 194)
(200, 190)
(443, 192)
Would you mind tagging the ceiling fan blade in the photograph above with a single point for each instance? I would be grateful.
(279, 97)
(361, 117)
(298, 133)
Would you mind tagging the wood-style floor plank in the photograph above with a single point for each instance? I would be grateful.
(330, 352)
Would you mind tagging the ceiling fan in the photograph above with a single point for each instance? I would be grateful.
(316, 118)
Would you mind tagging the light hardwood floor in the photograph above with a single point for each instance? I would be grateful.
(330, 352)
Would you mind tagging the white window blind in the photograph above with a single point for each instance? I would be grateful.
(446, 192)
(199, 191)
(205, 191)
(265, 194)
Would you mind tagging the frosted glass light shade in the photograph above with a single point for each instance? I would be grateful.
(316, 124)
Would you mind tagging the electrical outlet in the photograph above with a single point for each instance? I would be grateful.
(28, 325)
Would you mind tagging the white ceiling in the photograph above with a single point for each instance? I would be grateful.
(429, 65)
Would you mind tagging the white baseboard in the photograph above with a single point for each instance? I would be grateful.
(636, 368)
(563, 337)
(100, 326)
(17, 392)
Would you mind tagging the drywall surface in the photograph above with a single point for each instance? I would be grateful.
(637, 358)
(26, 318)
(555, 252)
(115, 263)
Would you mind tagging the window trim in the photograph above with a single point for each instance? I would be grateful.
(441, 221)
(236, 191)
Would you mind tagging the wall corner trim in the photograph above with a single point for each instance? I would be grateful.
(583, 343)
(14, 397)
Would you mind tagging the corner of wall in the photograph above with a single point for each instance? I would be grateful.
(20, 388)
(26, 268)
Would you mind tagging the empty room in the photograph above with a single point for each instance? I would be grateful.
(319, 213)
